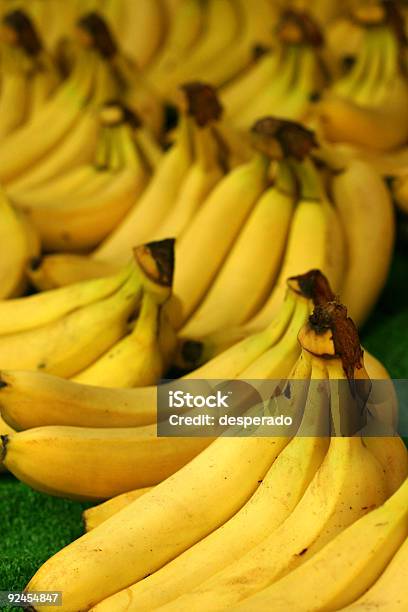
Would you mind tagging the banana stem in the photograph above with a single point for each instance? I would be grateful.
(309, 179)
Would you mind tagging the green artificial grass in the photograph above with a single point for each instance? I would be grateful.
(34, 526)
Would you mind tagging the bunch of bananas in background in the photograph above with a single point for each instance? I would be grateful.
(207, 188)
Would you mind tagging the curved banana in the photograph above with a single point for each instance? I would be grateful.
(316, 240)
(250, 268)
(14, 92)
(33, 311)
(367, 217)
(214, 229)
(86, 463)
(92, 517)
(19, 245)
(5, 430)
(134, 361)
(69, 344)
(32, 399)
(348, 484)
(388, 593)
(145, 216)
(158, 526)
(276, 497)
(344, 568)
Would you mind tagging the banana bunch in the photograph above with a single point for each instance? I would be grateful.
(28, 75)
(367, 107)
(183, 179)
(83, 330)
(284, 80)
(77, 209)
(272, 511)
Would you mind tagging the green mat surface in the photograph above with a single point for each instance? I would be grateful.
(33, 526)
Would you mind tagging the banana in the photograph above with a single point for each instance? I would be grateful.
(184, 31)
(147, 213)
(220, 31)
(348, 484)
(92, 464)
(344, 568)
(69, 344)
(82, 221)
(134, 361)
(276, 497)
(76, 148)
(47, 128)
(360, 194)
(21, 314)
(399, 188)
(92, 517)
(316, 240)
(372, 113)
(388, 593)
(257, 26)
(19, 245)
(250, 268)
(160, 525)
(33, 399)
(141, 29)
(14, 92)
(214, 229)
(204, 174)
(236, 94)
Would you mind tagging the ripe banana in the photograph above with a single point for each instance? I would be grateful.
(316, 240)
(30, 312)
(134, 361)
(276, 497)
(19, 245)
(250, 268)
(5, 429)
(214, 229)
(86, 463)
(161, 524)
(96, 515)
(349, 483)
(344, 568)
(367, 217)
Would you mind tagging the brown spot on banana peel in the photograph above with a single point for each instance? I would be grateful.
(279, 138)
(312, 285)
(331, 333)
(201, 102)
(156, 259)
(24, 31)
(114, 112)
(99, 34)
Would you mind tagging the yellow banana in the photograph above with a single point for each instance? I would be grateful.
(214, 229)
(134, 361)
(360, 194)
(82, 221)
(69, 344)
(161, 524)
(19, 245)
(347, 485)
(388, 593)
(400, 190)
(273, 501)
(25, 313)
(96, 515)
(315, 240)
(33, 399)
(346, 567)
(86, 463)
(250, 268)
(13, 94)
